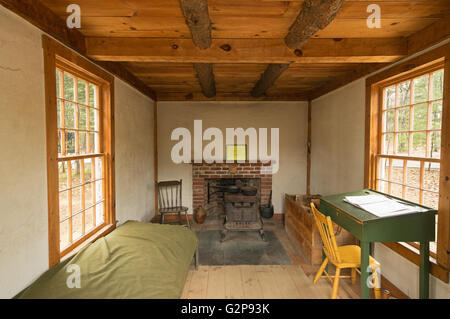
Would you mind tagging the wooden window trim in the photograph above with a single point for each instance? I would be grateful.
(55, 55)
(440, 56)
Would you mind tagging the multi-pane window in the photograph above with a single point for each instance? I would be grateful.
(411, 121)
(80, 158)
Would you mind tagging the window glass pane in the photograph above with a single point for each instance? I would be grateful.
(413, 173)
(388, 144)
(421, 89)
(89, 219)
(70, 143)
(383, 187)
(82, 141)
(420, 117)
(64, 205)
(431, 199)
(435, 145)
(77, 227)
(397, 171)
(69, 87)
(431, 176)
(82, 87)
(64, 235)
(76, 173)
(93, 143)
(89, 195)
(413, 195)
(88, 170)
(93, 120)
(389, 97)
(58, 114)
(93, 95)
(397, 190)
(62, 169)
(438, 85)
(58, 83)
(403, 119)
(419, 144)
(59, 143)
(383, 171)
(82, 118)
(388, 120)
(99, 218)
(404, 93)
(436, 115)
(402, 143)
(98, 191)
(69, 115)
(98, 168)
(77, 204)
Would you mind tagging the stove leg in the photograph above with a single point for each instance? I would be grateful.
(223, 235)
(261, 233)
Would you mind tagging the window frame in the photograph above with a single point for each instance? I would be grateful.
(57, 56)
(431, 60)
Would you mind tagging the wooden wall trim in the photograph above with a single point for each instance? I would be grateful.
(52, 144)
(56, 54)
(432, 35)
(45, 19)
(155, 154)
(308, 150)
(372, 147)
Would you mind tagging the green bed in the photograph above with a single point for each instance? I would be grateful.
(137, 260)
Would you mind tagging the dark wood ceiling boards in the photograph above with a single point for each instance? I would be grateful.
(152, 40)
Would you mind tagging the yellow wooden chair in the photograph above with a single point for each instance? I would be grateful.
(348, 256)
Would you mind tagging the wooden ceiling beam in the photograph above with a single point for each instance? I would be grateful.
(45, 19)
(230, 96)
(433, 34)
(197, 18)
(206, 79)
(268, 78)
(161, 50)
(39, 15)
(315, 15)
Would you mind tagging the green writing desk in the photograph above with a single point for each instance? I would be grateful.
(368, 228)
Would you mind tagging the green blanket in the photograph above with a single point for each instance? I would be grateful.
(137, 260)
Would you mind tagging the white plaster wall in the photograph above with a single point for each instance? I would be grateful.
(337, 139)
(23, 176)
(405, 274)
(289, 117)
(338, 130)
(134, 154)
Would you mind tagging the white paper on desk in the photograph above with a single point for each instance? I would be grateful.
(380, 205)
(388, 208)
(365, 199)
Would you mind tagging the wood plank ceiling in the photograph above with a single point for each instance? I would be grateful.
(153, 41)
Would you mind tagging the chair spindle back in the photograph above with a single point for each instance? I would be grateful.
(326, 231)
(170, 194)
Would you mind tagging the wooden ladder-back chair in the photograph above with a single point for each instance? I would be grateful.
(347, 256)
(170, 200)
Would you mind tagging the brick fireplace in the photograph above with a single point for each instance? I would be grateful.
(204, 173)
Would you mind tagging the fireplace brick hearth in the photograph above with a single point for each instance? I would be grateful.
(204, 171)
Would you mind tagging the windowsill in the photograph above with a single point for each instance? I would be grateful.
(413, 255)
(105, 230)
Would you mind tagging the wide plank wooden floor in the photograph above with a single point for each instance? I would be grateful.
(255, 282)
(261, 282)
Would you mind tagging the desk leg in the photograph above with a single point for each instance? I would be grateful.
(424, 273)
(365, 250)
